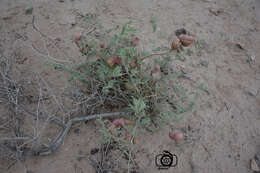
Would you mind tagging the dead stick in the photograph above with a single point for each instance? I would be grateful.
(60, 139)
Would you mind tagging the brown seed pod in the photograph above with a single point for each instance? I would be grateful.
(135, 41)
(135, 141)
(111, 61)
(186, 40)
(176, 44)
(102, 45)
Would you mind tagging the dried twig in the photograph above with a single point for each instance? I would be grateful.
(155, 54)
(91, 30)
(36, 28)
(58, 142)
(48, 54)
(52, 148)
(45, 36)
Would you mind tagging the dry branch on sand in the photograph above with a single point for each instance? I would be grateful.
(21, 141)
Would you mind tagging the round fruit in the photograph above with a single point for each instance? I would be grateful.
(178, 136)
(78, 37)
(186, 40)
(111, 61)
(118, 122)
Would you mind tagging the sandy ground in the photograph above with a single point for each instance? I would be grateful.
(223, 131)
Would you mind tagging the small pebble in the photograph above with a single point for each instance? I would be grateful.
(58, 38)
(254, 166)
(97, 33)
(204, 63)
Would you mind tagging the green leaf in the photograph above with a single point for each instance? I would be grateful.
(108, 86)
(59, 67)
(138, 105)
(125, 27)
(113, 40)
(123, 53)
(90, 55)
(102, 72)
(145, 121)
(71, 79)
(131, 29)
(116, 72)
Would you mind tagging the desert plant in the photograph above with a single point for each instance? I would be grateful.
(117, 70)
